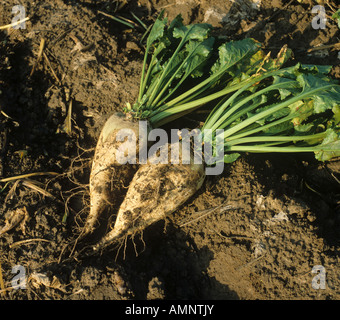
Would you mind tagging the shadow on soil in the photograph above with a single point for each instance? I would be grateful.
(161, 263)
(174, 259)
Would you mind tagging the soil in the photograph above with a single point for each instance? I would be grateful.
(262, 230)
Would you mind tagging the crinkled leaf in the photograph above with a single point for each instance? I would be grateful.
(336, 111)
(167, 40)
(327, 100)
(309, 81)
(317, 69)
(303, 128)
(157, 31)
(231, 157)
(176, 23)
(324, 99)
(232, 52)
(259, 63)
(245, 68)
(198, 56)
(296, 106)
(330, 147)
(200, 48)
(192, 32)
(248, 66)
(279, 128)
(287, 87)
(173, 64)
(302, 109)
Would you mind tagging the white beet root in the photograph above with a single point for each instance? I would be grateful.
(109, 178)
(155, 191)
